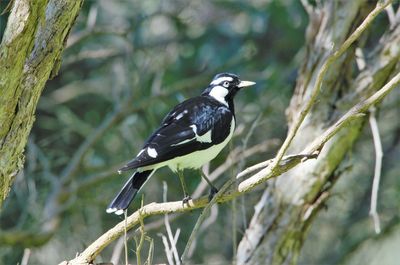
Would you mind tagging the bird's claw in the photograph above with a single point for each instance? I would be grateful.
(213, 191)
(186, 199)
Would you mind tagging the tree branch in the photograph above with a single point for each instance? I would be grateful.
(377, 172)
(321, 74)
(88, 255)
(315, 147)
(30, 54)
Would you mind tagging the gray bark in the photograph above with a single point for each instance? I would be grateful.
(287, 207)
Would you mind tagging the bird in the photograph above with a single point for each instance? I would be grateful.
(193, 133)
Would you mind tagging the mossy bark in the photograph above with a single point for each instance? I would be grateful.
(284, 213)
(30, 54)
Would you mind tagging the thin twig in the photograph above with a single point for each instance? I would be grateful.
(391, 15)
(353, 113)
(253, 168)
(240, 167)
(312, 149)
(378, 168)
(234, 157)
(307, 6)
(226, 194)
(25, 257)
(168, 228)
(125, 236)
(320, 77)
(167, 249)
(203, 216)
(141, 240)
(149, 260)
(117, 251)
(234, 203)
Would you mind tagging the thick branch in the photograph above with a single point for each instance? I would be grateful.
(30, 54)
(286, 164)
(321, 74)
(357, 111)
(280, 223)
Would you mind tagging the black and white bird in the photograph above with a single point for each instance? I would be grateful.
(191, 135)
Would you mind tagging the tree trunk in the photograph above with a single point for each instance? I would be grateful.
(30, 54)
(282, 216)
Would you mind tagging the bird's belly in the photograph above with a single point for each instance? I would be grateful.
(198, 158)
(201, 157)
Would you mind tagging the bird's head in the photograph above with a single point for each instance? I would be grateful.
(224, 87)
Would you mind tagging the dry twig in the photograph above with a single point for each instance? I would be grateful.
(172, 240)
(225, 194)
(378, 167)
(320, 77)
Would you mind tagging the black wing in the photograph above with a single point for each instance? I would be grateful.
(177, 136)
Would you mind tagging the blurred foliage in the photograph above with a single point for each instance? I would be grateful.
(126, 64)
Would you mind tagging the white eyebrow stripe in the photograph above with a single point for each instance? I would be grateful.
(219, 80)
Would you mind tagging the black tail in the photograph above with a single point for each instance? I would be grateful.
(128, 192)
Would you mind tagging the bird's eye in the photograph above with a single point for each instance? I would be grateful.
(226, 84)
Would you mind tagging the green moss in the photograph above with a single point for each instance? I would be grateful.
(26, 62)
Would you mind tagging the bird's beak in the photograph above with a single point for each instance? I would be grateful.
(246, 83)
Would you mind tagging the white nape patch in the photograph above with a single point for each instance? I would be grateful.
(219, 93)
(152, 152)
(221, 79)
(180, 115)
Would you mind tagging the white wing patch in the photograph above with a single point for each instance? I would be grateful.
(219, 93)
(184, 141)
(205, 138)
(180, 115)
(152, 152)
(141, 151)
(220, 80)
(194, 128)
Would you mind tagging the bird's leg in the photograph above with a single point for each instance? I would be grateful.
(213, 190)
(186, 195)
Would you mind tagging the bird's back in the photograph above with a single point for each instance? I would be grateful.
(196, 124)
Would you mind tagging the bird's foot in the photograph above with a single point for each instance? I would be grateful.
(213, 191)
(186, 199)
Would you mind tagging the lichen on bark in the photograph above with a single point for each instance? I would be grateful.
(31, 46)
(288, 206)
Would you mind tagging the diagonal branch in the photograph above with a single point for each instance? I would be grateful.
(355, 112)
(88, 255)
(321, 74)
